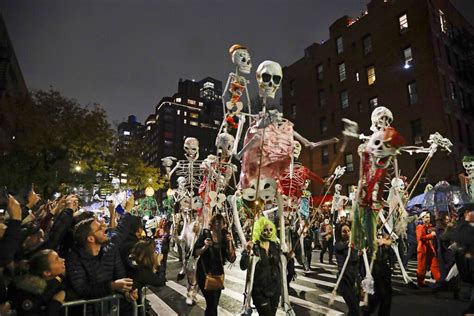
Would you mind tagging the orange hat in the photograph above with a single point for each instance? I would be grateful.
(235, 47)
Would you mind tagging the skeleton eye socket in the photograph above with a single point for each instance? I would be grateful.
(243, 59)
(266, 77)
(276, 79)
(377, 142)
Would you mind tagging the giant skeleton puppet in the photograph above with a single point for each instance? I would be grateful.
(189, 178)
(234, 110)
(378, 158)
(267, 152)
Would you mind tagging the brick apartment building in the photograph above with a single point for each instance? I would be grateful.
(414, 57)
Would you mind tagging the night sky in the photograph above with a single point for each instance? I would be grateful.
(128, 54)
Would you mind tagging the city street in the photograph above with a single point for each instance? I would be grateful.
(309, 294)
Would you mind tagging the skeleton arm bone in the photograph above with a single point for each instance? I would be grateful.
(178, 164)
(248, 146)
(238, 134)
(312, 145)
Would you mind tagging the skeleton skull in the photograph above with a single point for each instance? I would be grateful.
(224, 144)
(269, 76)
(380, 149)
(398, 184)
(381, 117)
(241, 58)
(338, 188)
(296, 149)
(468, 164)
(181, 182)
(191, 147)
(306, 184)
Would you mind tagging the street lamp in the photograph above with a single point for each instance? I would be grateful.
(77, 168)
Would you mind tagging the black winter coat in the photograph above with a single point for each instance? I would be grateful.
(10, 243)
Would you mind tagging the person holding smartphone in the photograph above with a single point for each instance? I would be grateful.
(214, 246)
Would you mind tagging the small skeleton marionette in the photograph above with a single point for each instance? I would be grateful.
(468, 164)
(339, 201)
(305, 201)
(236, 86)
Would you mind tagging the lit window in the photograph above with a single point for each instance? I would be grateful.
(357, 76)
(320, 72)
(177, 100)
(148, 128)
(209, 84)
(412, 92)
(323, 127)
(342, 72)
(322, 97)
(442, 22)
(407, 57)
(371, 75)
(344, 99)
(324, 155)
(192, 102)
(185, 113)
(339, 45)
(126, 133)
(349, 163)
(200, 103)
(178, 112)
(194, 123)
(194, 115)
(185, 121)
(373, 103)
(403, 22)
(367, 44)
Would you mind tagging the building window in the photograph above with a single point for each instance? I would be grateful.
(339, 45)
(323, 125)
(344, 99)
(442, 22)
(193, 123)
(320, 72)
(185, 121)
(342, 72)
(412, 92)
(322, 97)
(357, 76)
(349, 162)
(367, 44)
(403, 23)
(416, 131)
(324, 155)
(293, 111)
(177, 100)
(453, 90)
(371, 75)
(126, 133)
(194, 115)
(373, 103)
(407, 57)
(191, 102)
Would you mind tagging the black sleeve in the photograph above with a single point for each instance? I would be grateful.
(10, 243)
(200, 241)
(61, 225)
(146, 276)
(244, 260)
(77, 278)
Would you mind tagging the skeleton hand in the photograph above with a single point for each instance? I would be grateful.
(351, 128)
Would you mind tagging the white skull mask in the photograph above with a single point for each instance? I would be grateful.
(468, 165)
(241, 58)
(338, 188)
(381, 117)
(191, 148)
(296, 149)
(378, 148)
(398, 184)
(224, 144)
(269, 76)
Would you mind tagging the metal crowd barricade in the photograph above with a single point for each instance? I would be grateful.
(113, 309)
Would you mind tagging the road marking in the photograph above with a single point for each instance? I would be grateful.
(159, 306)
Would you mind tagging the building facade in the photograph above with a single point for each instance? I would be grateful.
(415, 58)
(12, 87)
(194, 111)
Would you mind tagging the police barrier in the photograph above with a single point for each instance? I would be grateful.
(109, 305)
